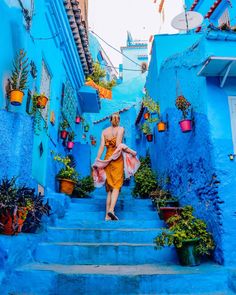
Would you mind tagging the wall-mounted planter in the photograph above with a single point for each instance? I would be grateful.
(86, 128)
(16, 97)
(161, 126)
(149, 137)
(42, 101)
(146, 115)
(77, 120)
(93, 142)
(186, 125)
(168, 212)
(64, 134)
(70, 145)
(66, 186)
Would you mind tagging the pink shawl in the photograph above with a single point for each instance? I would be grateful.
(131, 164)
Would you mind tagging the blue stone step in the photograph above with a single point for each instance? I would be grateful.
(154, 223)
(123, 235)
(103, 253)
(38, 279)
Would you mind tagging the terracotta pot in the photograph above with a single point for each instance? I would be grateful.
(168, 212)
(9, 223)
(149, 137)
(70, 145)
(185, 125)
(77, 119)
(16, 97)
(146, 115)
(93, 142)
(67, 186)
(161, 126)
(42, 101)
(64, 134)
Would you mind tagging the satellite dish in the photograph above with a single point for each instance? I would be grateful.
(187, 20)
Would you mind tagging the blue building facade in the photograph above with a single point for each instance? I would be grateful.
(199, 66)
(59, 59)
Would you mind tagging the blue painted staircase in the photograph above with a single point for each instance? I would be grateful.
(83, 254)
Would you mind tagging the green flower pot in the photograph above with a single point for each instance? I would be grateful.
(187, 254)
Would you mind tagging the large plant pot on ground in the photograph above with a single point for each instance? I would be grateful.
(67, 186)
(12, 224)
(168, 212)
(185, 125)
(16, 97)
(187, 254)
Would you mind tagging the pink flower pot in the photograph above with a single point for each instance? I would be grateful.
(70, 144)
(185, 125)
(77, 120)
(64, 134)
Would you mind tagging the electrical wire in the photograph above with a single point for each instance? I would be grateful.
(115, 48)
(118, 68)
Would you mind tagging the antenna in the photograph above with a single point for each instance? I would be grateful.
(187, 20)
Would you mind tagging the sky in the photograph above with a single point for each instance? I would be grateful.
(111, 19)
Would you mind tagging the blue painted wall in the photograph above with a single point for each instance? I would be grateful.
(197, 162)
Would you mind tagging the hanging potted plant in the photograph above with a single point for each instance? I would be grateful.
(147, 131)
(146, 115)
(184, 106)
(41, 100)
(64, 125)
(70, 142)
(67, 176)
(19, 78)
(93, 141)
(86, 127)
(190, 237)
(161, 126)
(77, 119)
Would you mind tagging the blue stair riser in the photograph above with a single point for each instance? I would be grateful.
(120, 202)
(45, 282)
(103, 254)
(134, 207)
(110, 224)
(95, 236)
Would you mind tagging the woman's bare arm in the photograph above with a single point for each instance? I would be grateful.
(101, 148)
(120, 136)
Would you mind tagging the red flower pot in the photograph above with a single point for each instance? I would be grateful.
(70, 145)
(146, 115)
(93, 142)
(149, 137)
(168, 212)
(77, 120)
(64, 134)
(185, 125)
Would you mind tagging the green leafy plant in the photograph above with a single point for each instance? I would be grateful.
(64, 124)
(84, 187)
(71, 136)
(20, 71)
(66, 172)
(98, 77)
(183, 228)
(183, 105)
(146, 129)
(145, 179)
(150, 104)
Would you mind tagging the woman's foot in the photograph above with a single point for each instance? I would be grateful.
(112, 215)
(107, 218)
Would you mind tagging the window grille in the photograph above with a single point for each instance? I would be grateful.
(69, 106)
(45, 88)
(224, 18)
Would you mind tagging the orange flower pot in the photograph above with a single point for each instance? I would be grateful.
(16, 97)
(67, 186)
(42, 101)
(93, 142)
(146, 115)
(161, 126)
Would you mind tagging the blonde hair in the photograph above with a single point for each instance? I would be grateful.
(115, 119)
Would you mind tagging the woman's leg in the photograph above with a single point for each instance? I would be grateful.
(114, 197)
(108, 204)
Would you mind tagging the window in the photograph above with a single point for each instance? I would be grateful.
(45, 88)
(225, 18)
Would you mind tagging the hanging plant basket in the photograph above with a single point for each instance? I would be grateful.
(161, 126)
(66, 186)
(42, 101)
(185, 125)
(146, 115)
(70, 145)
(149, 137)
(64, 134)
(16, 97)
(77, 120)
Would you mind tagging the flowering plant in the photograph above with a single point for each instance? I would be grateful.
(183, 105)
(67, 172)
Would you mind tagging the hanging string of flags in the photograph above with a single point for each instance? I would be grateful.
(120, 111)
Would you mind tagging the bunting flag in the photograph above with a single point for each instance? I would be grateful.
(161, 6)
(103, 92)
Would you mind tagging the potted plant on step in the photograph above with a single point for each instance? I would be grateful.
(184, 106)
(67, 176)
(147, 131)
(19, 78)
(190, 237)
(70, 142)
(145, 179)
(83, 187)
(64, 125)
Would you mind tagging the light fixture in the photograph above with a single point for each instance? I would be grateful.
(231, 156)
